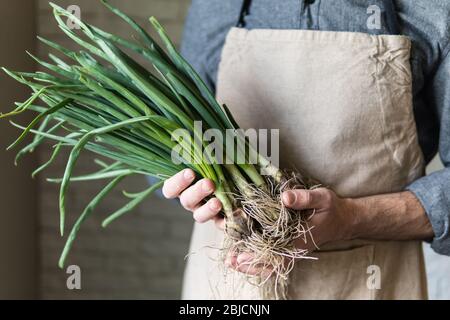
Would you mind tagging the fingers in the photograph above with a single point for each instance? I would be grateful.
(175, 185)
(191, 197)
(244, 263)
(208, 211)
(194, 195)
(307, 199)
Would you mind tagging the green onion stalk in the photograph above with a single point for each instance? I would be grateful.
(100, 99)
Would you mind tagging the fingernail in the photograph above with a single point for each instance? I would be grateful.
(243, 258)
(215, 205)
(188, 174)
(289, 198)
(206, 186)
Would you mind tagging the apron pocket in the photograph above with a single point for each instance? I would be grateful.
(340, 274)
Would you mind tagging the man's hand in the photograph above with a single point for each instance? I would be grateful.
(332, 217)
(396, 216)
(332, 220)
(193, 196)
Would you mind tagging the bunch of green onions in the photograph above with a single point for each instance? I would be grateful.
(101, 100)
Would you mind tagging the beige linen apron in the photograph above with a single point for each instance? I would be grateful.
(343, 104)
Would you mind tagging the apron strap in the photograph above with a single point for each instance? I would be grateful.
(391, 17)
(245, 10)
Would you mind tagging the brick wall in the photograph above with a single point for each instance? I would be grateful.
(141, 255)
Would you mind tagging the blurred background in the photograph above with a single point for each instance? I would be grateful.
(139, 257)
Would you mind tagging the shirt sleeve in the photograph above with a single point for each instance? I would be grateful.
(206, 27)
(433, 191)
(193, 42)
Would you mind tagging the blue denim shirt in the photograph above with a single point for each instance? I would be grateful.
(426, 22)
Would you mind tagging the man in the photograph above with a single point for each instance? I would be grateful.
(422, 210)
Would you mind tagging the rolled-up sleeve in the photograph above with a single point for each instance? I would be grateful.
(433, 191)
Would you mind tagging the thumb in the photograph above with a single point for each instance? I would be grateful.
(300, 199)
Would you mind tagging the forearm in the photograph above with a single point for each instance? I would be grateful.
(396, 216)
